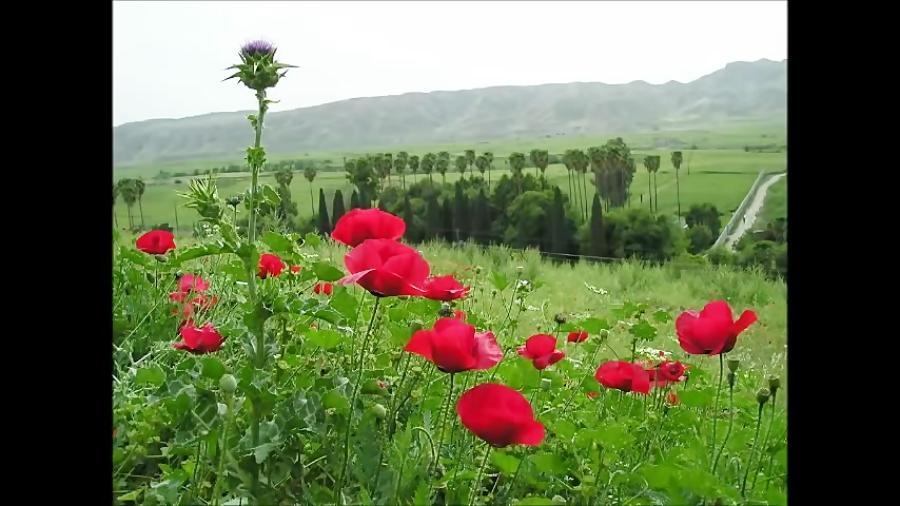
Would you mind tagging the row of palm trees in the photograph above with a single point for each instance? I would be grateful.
(131, 190)
(386, 164)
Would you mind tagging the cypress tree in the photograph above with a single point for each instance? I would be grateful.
(412, 231)
(460, 214)
(432, 217)
(598, 231)
(354, 200)
(337, 207)
(446, 228)
(324, 222)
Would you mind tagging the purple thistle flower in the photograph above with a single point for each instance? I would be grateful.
(256, 48)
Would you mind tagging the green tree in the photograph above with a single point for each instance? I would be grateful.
(540, 158)
(700, 238)
(490, 165)
(139, 188)
(400, 163)
(432, 216)
(427, 165)
(115, 197)
(387, 162)
(442, 164)
(414, 166)
(324, 224)
(480, 217)
(676, 162)
(470, 158)
(517, 165)
(337, 207)
(128, 191)
(704, 214)
(461, 165)
(309, 172)
(354, 200)
(481, 164)
(651, 163)
(597, 232)
(446, 228)
(361, 174)
(460, 212)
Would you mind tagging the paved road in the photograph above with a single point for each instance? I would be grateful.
(752, 211)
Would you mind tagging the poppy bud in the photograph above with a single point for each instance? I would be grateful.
(730, 379)
(373, 387)
(379, 411)
(774, 384)
(445, 311)
(733, 364)
(228, 383)
(560, 318)
(762, 396)
(546, 383)
(604, 334)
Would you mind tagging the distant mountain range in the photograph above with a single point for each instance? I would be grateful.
(740, 91)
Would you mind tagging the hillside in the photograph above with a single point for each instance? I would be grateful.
(740, 91)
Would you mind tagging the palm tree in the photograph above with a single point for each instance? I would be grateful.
(517, 164)
(540, 159)
(388, 164)
(442, 164)
(461, 165)
(648, 164)
(427, 165)
(470, 158)
(581, 165)
(129, 195)
(139, 188)
(482, 164)
(400, 162)
(490, 165)
(309, 172)
(676, 161)
(414, 166)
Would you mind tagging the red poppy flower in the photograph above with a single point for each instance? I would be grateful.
(385, 268)
(499, 415)
(592, 395)
(296, 269)
(459, 314)
(192, 283)
(624, 376)
(711, 331)
(187, 309)
(199, 340)
(666, 373)
(156, 242)
(444, 288)
(360, 224)
(321, 288)
(454, 346)
(270, 265)
(541, 350)
(672, 398)
(577, 337)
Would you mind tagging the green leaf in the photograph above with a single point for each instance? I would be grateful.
(195, 252)
(329, 315)
(324, 338)
(335, 400)
(695, 398)
(564, 428)
(423, 493)
(278, 243)
(131, 496)
(213, 368)
(327, 272)
(594, 325)
(312, 240)
(499, 280)
(152, 375)
(136, 257)
(549, 463)
(400, 334)
(535, 501)
(261, 452)
(643, 330)
(662, 316)
(344, 303)
(505, 462)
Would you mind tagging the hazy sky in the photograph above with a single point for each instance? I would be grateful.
(169, 58)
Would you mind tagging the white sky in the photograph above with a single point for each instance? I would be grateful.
(169, 58)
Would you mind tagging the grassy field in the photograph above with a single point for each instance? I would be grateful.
(732, 136)
(721, 177)
(775, 205)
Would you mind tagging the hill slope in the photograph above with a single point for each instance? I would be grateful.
(740, 91)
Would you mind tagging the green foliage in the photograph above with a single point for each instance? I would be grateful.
(704, 214)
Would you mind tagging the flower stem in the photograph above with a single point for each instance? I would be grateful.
(444, 418)
(222, 450)
(752, 450)
(477, 482)
(340, 482)
(730, 424)
(715, 414)
(765, 442)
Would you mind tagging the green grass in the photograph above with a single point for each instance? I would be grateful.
(775, 205)
(721, 177)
